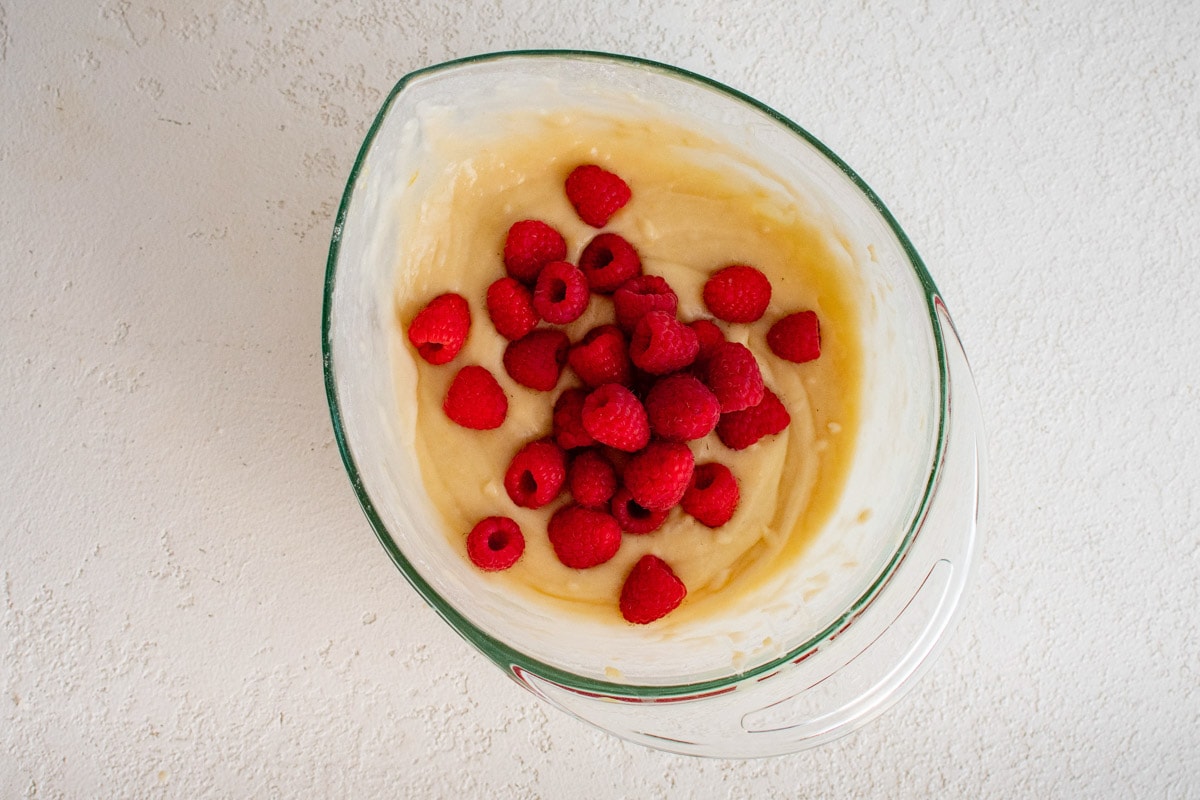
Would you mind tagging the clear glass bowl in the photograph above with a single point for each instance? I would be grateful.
(891, 582)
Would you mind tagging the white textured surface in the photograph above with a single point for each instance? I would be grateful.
(191, 604)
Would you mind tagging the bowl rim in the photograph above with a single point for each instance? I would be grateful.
(514, 660)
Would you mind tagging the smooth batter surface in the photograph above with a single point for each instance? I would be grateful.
(693, 211)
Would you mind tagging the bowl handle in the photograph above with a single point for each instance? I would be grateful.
(862, 670)
(890, 656)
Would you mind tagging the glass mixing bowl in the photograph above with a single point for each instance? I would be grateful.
(840, 635)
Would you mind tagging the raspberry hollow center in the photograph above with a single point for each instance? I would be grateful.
(497, 540)
(528, 483)
(637, 510)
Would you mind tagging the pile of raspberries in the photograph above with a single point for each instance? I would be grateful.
(648, 383)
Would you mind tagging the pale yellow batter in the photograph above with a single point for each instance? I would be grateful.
(693, 211)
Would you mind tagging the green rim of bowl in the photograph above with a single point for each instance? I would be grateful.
(497, 650)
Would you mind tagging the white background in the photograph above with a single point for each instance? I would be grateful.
(192, 604)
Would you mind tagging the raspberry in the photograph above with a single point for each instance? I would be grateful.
(634, 517)
(608, 261)
(638, 296)
(439, 330)
(592, 479)
(615, 417)
(737, 294)
(680, 408)
(602, 356)
(536, 474)
(530, 245)
(510, 305)
(569, 432)
(796, 337)
(651, 591)
(561, 293)
(740, 429)
(536, 360)
(475, 400)
(495, 543)
(662, 344)
(709, 334)
(712, 496)
(658, 476)
(583, 537)
(596, 194)
(733, 374)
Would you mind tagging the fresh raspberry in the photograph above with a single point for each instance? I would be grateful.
(608, 261)
(592, 479)
(737, 294)
(796, 337)
(475, 399)
(569, 432)
(583, 537)
(709, 334)
(495, 543)
(615, 417)
(596, 194)
(662, 344)
(510, 305)
(632, 516)
(733, 374)
(530, 245)
(651, 591)
(536, 474)
(680, 408)
(740, 429)
(439, 330)
(536, 360)
(638, 296)
(712, 496)
(561, 294)
(601, 357)
(658, 476)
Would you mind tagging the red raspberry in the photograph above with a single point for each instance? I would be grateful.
(536, 360)
(733, 374)
(596, 194)
(737, 294)
(561, 293)
(530, 245)
(592, 479)
(796, 337)
(680, 408)
(475, 400)
(510, 305)
(439, 330)
(709, 335)
(651, 591)
(615, 417)
(638, 296)
(634, 517)
(658, 476)
(569, 432)
(740, 429)
(608, 261)
(495, 543)
(583, 537)
(712, 496)
(536, 474)
(601, 357)
(662, 344)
